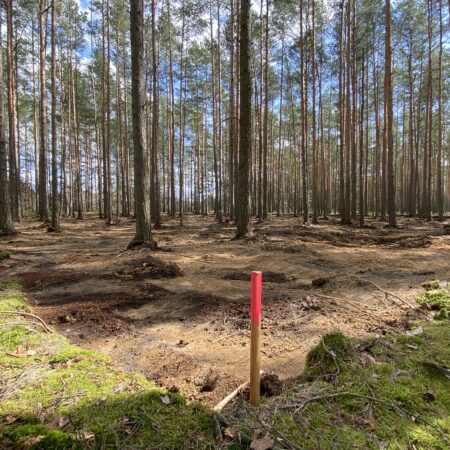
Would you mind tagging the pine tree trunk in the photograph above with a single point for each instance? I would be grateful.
(55, 198)
(315, 181)
(361, 147)
(389, 120)
(43, 205)
(6, 224)
(439, 190)
(182, 117)
(266, 112)
(303, 112)
(232, 119)
(141, 164)
(171, 101)
(341, 118)
(12, 116)
(245, 127)
(155, 191)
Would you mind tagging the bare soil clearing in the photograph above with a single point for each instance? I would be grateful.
(181, 314)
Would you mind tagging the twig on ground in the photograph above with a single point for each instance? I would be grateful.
(300, 406)
(217, 430)
(22, 324)
(345, 300)
(392, 294)
(441, 368)
(25, 314)
(226, 336)
(333, 355)
(396, 407)
(230, 397)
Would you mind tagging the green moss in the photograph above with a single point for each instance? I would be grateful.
(3, 255)
(320, 361)
(50, 378)
(366, 406)
(37, 437)
(431, 284)
(438, 299)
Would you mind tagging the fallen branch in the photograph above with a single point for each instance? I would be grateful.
(25, 314)
(441, 368)
(300, 406)
(22, 324)
(226, 336)
(230, 397)
(233, 394)
(341, 299)
(390, 293)
(394, 406)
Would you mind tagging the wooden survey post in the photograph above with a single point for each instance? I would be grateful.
(256, 291)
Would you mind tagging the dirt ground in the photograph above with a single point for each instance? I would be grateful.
(180, 314)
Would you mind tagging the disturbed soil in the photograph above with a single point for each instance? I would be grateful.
(180, 313)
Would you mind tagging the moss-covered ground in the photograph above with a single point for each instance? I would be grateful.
(54, 395)
(437, 297)
(392, 392)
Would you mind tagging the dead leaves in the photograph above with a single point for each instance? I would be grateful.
(165, 399)
(415, 332)
(261, 444)
(59, 422)
(366, 359)
(22, 351)
(230, 432)
(9, 420)
(398, 373)
(87, 436)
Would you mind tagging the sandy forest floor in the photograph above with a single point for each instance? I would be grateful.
(180, 314)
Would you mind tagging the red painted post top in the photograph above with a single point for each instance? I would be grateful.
(256, 293)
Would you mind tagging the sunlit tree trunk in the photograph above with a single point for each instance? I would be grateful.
(6, 224)
(55, 197)
(245, 127)
(43, 205)
(389, 119)
(141, 163)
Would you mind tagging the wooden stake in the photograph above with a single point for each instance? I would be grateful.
(256, 290)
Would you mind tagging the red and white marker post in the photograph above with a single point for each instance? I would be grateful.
(256, 293)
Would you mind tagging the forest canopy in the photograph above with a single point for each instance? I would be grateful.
(338, 124)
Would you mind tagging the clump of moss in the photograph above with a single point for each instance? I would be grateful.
(322, 360)
(431, 284)
(39, 437)
(437, 299)
(48, 381)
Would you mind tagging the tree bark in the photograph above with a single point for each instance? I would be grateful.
(141, 167)
(245, 127)
(55, 198)
(155, 191)
(14, 167)
(6, 224)
(389, 120)
(43, 204)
